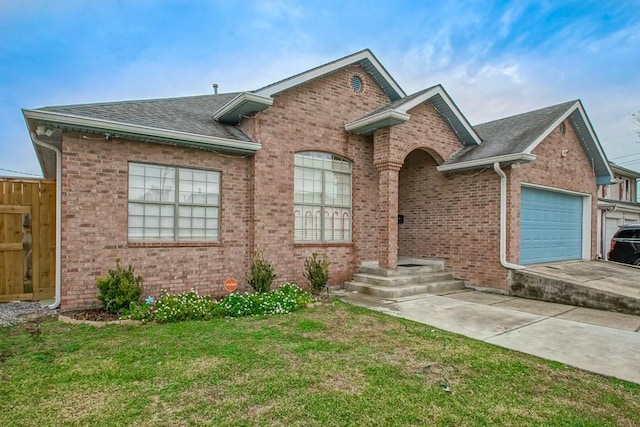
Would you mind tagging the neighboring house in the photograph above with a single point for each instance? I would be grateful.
(617, 205)
(186, 189)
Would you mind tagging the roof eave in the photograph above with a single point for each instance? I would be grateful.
(618, 205)
(487, 162)
(367, 125)
(447, 109)
(624, 171)
(118, 129)
(243, 105)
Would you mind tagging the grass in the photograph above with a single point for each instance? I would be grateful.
(331, 365)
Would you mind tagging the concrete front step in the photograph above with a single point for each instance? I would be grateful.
(414, 279)
(403, 290)
(431, 267)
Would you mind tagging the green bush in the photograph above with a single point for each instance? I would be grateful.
(170, 308)
(285, 299)
(261, 274)
(316, 271)
(119, 289)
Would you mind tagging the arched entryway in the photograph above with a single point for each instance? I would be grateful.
(420, 205)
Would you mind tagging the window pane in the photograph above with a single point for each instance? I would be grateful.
(322, 197)
(151, 183)
(199, 187)
(198, 223)
(152, 217)
(308, 222)
(338, 189)
(337, 225)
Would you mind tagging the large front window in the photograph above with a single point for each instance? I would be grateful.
(322, 198)
(173, 204)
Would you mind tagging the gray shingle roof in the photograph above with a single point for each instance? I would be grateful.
(192, 114)
(511, 135)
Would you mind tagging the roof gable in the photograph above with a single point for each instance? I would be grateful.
(513, 139)
(365, 58)
(247, 103)
(397, 112)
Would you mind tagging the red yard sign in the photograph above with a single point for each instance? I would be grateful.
(231, 284)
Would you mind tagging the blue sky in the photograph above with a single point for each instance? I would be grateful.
(494, 58)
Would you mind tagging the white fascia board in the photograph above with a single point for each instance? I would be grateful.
(395, 115)
(108, 125)
(550, 129)
(419, 99)
(275, 88)
(627, 173)
(488, 162)
(619, 207)
(439, 90)
(239, 100)
(595, 139)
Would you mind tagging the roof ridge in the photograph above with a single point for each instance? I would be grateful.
(312, 69)
(537, 110)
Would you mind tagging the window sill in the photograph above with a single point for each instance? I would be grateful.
(323, 244)
(173, 244)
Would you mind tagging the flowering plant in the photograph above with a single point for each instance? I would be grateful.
(170, 308)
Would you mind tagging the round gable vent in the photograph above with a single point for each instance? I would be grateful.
(356, 84)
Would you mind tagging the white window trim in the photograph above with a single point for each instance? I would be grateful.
(176, 204)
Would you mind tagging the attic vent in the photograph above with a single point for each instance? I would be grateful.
(356, 84)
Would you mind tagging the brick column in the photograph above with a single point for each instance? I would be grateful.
(388, 175)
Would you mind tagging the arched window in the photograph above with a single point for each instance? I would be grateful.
(322, 197)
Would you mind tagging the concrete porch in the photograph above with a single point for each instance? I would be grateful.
(413, 276)
(594, 284)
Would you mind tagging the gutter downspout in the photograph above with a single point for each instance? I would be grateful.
(41, 143)
(503, 220)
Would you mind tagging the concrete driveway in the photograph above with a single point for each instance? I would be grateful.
(595, 284)
(598, 341)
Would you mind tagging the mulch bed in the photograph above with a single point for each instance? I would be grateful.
(94, 315)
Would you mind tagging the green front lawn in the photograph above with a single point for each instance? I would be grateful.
(328, 365)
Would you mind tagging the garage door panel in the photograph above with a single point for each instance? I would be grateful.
(550, 226)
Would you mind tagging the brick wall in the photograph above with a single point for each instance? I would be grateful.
(452, 217)
(94, 211)
(572, 172)
(311, 117)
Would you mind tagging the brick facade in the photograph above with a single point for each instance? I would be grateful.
(454, 217)
(94, 212)
(572, 172)
(311, 117)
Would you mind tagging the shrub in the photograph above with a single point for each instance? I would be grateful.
(316, 271)
(170, 308)
(261, 273)
(119, 289)
(286, 299)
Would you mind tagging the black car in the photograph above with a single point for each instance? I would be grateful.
(625, 245)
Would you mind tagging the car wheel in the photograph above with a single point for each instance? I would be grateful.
(637, 262)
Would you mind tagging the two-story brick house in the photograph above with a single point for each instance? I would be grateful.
(186, 189)
(617, 205)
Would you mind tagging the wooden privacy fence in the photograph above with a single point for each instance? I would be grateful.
(27, 239)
